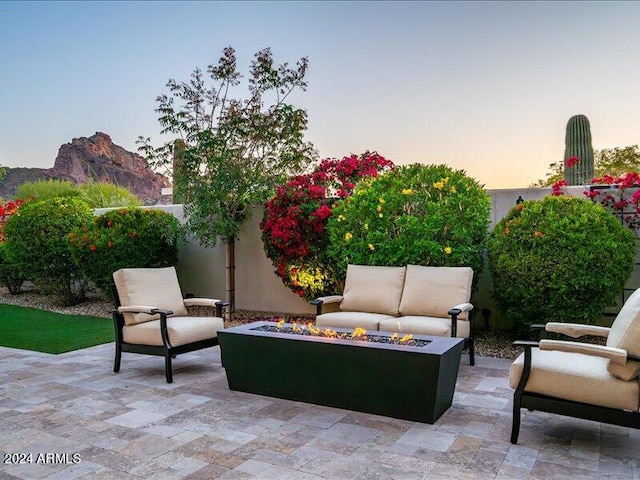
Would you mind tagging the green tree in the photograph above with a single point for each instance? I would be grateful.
(608, 161)
(234, 151)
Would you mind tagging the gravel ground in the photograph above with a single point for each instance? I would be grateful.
(490, 343)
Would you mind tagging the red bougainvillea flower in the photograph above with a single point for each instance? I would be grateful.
(556, 188)
(572, 161)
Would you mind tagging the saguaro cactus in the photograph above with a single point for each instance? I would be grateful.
(578, 152)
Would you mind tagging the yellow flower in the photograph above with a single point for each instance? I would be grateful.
(380, 215)
(447, 250)
(348, 236)
(379, 208)
(341, 218)
(371, 247)
(366, 226)
(407, 191)
(438, 185)
(381, 200)
(453, 189)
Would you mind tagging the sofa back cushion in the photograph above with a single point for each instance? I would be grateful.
(625, 334)
(150, 287)
(433, 291)
(373, 289)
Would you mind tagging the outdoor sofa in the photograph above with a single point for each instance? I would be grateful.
(412, 299)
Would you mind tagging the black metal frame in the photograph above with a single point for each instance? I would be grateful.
(468, 341)
(545, 403)
(167, 350)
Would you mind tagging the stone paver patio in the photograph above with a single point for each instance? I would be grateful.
(133, 425)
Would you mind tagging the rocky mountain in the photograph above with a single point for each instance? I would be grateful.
(94, 158)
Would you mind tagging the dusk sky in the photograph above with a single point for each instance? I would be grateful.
(486, 87)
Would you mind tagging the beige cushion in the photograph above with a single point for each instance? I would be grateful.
(625, 334)
(373, 289)
(182, 330)
(433, 291)
(440, 327)
(368, 321)
(156, 287)
(576, 377)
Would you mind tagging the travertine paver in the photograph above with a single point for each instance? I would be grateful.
(69, 416)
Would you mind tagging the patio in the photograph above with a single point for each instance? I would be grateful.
(134, 425)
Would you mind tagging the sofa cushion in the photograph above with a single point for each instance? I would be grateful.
(373, 289)
(576, 377)
(156, 287)
(182, 330)
(440, 327)
(433, 291)
(368, 321)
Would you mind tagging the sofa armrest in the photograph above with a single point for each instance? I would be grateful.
(454, 312)
(616, 355)
(320, 301)
(200, 302)
(575, 330)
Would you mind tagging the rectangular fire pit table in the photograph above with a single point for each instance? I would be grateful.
(401, 381)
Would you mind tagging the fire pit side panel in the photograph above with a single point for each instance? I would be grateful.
(397, 383)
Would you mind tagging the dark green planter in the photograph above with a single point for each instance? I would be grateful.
(412, 383)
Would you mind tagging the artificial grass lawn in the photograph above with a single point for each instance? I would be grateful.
(49, 332)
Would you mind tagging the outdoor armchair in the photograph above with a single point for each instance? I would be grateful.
(152, 318)
(582, 380)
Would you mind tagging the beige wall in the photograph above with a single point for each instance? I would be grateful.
(202, 270)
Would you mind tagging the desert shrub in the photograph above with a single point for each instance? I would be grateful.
(46, 189)
(131, 238)
(35, 239)
(293, 226)
(416, 214)
(10, 274)
(558, 259)
(106, 195)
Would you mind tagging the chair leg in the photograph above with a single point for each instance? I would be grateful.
(515, 423)
(472, 352)
(167, 368)
(116, 362)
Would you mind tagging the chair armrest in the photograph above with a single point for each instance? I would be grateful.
(200, 302)
(616, 355)
(463, 307)
(143, 309)
(575, 330)
(320, 301)
(454, 312)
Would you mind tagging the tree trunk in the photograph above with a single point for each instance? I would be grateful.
(231, 277)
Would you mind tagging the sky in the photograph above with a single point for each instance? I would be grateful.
(486, 87)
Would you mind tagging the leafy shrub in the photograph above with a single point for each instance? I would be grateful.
(35, 240)
(46, 189)
(133, 238)
(559, 259)
(416, 214)
(10, 274)
(293, 226)
(106, 195)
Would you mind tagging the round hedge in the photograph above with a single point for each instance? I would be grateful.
(416, 214)
(125, 238)
(35, 241)
(560, 259)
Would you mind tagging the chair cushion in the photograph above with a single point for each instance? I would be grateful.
(433, 291)
(576, 377)
(625, 334)
(156, 287)
(182, 330)
(368, 321)
(373, 289)
(440, 327)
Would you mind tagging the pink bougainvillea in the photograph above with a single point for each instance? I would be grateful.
(293, 226)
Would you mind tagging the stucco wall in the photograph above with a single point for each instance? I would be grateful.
(202, 270)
